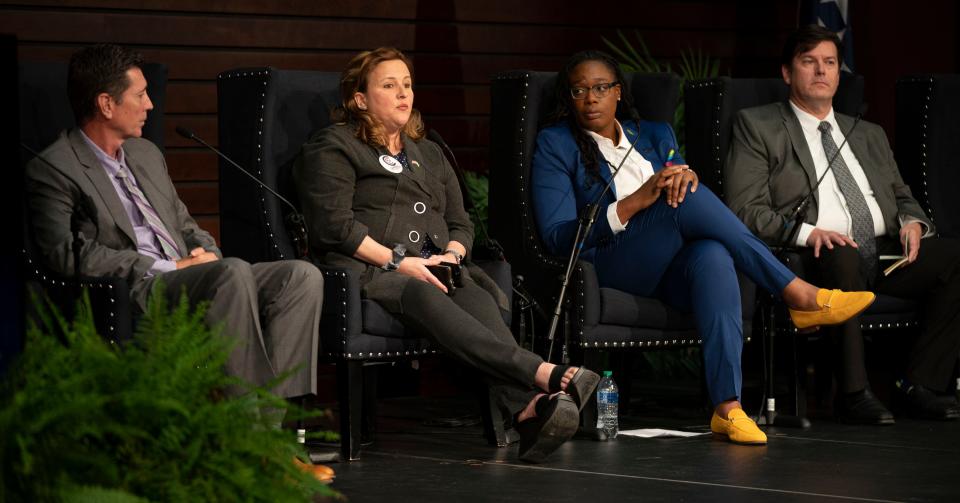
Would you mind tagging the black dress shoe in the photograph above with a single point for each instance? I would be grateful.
(862, 407)
(923, 403)
(556, 421)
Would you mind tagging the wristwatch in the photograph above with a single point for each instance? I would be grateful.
(455, 253)
(399, 253)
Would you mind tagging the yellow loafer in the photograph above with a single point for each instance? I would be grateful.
(738, 428)
(836, 306)
(322, 473)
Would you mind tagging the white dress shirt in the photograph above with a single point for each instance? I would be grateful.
(833, 213)
(634, 172)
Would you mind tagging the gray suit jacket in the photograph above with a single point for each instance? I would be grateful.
(109, 245)
(347, 194)
(769, 169)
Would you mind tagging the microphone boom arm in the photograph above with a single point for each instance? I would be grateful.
(294, 221)
(584, 227)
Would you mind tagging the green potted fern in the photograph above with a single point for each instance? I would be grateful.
(146, 421)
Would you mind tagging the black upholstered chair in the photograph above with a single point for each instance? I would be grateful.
(710, 108)
(595, 319)
(265, 116)
(45, 112)
(927, 150)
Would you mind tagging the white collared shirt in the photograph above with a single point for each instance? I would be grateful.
(833, 213)
(634, 172)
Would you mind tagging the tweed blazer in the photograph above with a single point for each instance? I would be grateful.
(348, 190)
(109, 244)
(769, 169)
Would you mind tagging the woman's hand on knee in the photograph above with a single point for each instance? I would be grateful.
(647, 194)
(416, 268)
(677, 185)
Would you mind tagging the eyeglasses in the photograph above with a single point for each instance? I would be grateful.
(599, 90)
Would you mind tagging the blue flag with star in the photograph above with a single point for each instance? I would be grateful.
(834, 16)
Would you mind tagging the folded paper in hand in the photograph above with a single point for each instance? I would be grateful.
(899, 260)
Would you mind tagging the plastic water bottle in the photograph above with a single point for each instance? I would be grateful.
(608, 401)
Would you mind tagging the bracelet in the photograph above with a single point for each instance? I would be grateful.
(458, 256)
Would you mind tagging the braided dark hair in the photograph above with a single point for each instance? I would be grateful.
(589, 152)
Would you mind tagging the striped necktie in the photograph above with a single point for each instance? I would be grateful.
(863, 232)
(150, 216)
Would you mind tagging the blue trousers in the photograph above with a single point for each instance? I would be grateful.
(689, 257)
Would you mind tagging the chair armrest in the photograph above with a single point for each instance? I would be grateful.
(341, 316)
(584, 295)
(109, 299)
(502, 274)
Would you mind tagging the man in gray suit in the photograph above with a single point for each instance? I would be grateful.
(861, 211)
(140, 230)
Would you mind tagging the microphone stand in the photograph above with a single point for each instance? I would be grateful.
(584, 227)
(790, 228)
(527, 300)
(293, 222)
(495, 249)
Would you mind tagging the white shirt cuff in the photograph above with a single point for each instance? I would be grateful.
(805, 230)
(909, 220)
(614, 220)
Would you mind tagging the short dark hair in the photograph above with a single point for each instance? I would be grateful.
(805, 39)
(101, 68)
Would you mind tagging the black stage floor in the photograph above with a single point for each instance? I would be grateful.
(410, 461)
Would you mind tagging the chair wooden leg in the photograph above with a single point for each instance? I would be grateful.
(350, 390)
(368, 425)
(492, 418)
(593, 360)
(491, 413)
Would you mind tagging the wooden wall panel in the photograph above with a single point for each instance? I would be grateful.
(456, 47)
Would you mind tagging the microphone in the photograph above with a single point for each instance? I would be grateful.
(583, 231)
(792, 224)
(491, 245)
(294, 221)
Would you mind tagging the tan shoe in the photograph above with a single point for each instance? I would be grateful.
(738, 428)
(323, 473)
(836, 306)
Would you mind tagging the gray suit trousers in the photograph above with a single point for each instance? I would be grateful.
(469, 327)
(286, 295)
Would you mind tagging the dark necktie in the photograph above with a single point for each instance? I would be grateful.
(150, 216)
(863, 231)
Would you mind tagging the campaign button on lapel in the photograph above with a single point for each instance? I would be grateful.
(390, 164)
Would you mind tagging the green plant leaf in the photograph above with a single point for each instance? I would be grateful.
(91, 421)
(694, 64)
(86, 494)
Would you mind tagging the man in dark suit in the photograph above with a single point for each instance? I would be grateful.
(140, 230)
(861, 211)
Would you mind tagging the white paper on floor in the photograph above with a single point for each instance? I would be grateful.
(659, 433)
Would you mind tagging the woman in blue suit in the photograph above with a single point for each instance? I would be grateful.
(658, 232)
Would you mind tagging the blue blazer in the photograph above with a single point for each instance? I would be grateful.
(562, 187)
